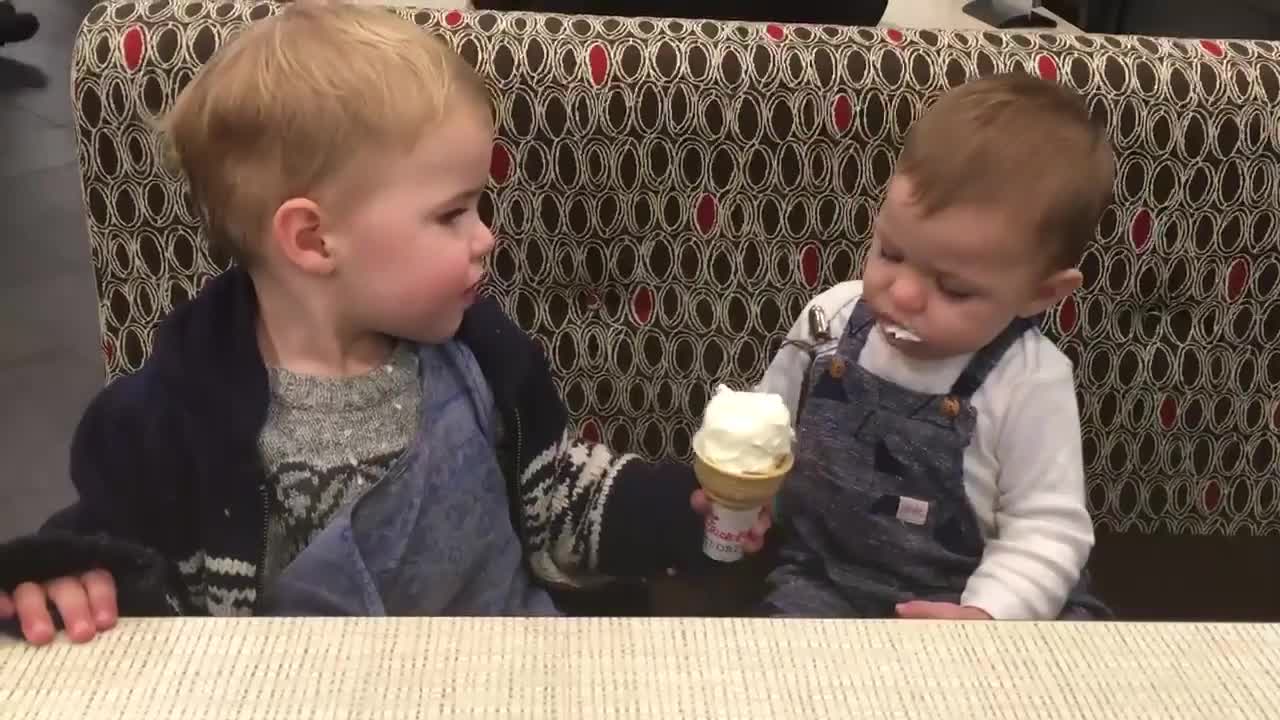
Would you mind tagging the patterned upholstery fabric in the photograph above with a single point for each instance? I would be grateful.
(668, 194)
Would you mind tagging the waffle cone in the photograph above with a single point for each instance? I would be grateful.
(740, 491)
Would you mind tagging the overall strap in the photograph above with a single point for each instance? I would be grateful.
(986, 359)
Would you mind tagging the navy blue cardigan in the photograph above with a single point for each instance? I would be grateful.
(166, 465)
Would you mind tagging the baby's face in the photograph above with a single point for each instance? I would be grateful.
(954, 279)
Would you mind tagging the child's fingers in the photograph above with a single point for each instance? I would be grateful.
(31, 605)
(924, 610)
(7, 610)
(101, 589)
(754, 542)
(699, 502)
(763, 523)
(69, 596)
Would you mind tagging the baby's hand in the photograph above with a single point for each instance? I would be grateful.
(926, 610)
(754, 541)
(86, 603)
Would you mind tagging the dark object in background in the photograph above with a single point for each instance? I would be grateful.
(1197, 578)
(986, 11)
(1238, 19)
(846, 12)
(16, 26)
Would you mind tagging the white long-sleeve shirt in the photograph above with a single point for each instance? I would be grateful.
(1023, 469)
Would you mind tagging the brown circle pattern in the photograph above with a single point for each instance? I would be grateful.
(669, 193)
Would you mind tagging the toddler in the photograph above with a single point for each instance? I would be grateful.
(340, 424)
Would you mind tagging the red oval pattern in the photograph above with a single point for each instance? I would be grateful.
(590, 430)
(775, 32)
(642, 305)
(1047, 67)
(131, 46)
(598, 61)
(895, 36)
(1068, 315)
(1212, 48)
(1168, 413)
(842, 113)
(500, 164)
(1140, 229)
(1237, 278)
(810, 265)
(453, 18)
(706, 213)
(1212, 495)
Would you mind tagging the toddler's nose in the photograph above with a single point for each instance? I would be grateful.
(482, 244)
(908, 295)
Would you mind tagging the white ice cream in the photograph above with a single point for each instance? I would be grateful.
(744, 432)
(897, 332)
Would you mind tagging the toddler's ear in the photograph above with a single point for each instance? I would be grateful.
(1052, 290)
(297, 234)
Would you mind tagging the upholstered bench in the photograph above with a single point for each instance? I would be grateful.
(668, 194)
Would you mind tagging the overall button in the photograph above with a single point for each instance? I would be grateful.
(837, 368)
(950, 406)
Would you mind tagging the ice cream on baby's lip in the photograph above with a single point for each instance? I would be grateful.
(745, 432)
(898, 332)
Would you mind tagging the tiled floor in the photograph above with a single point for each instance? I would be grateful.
(49, 360)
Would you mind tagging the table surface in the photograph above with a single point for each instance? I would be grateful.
(647, 668)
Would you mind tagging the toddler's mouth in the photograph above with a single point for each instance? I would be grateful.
(474, 290)
(899, 333)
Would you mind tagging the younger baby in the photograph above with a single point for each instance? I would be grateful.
(938, 469)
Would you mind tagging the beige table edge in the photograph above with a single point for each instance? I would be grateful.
(646, 668)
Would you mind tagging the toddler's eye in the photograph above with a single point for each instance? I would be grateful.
(890, 256)
(956, 294)
(452, 216)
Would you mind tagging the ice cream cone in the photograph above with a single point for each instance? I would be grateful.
(736, 499)
(740, 491)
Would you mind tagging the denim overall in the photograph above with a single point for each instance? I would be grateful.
(875, 512)
(434, 536)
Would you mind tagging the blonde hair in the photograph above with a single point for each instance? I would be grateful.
(299, 99)
(1018, 142)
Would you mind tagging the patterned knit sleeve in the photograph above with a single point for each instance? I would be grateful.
(586, 513)
(591, 513)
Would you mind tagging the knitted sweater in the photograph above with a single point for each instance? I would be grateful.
(168, 459)
(327, 441)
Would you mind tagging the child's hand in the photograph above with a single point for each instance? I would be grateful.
(86, 603)
(754, 542)
(926, 610)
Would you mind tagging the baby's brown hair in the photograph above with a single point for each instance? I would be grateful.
(1018, 142)
(300, 100)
